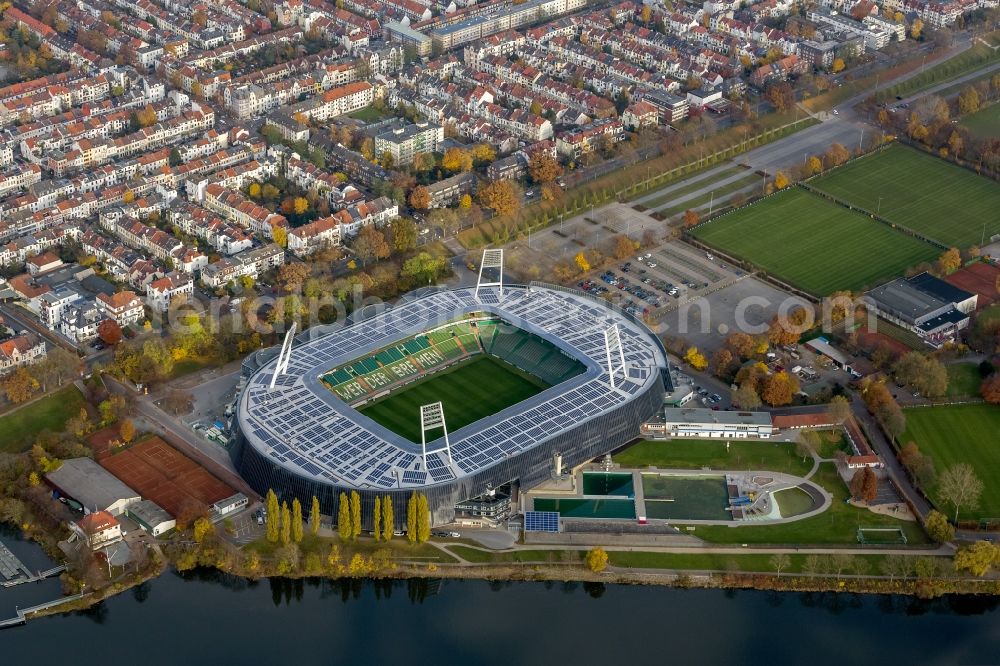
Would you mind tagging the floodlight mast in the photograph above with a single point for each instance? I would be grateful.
(432, 417)
(284, 356)
(492, 258)
(613, 347)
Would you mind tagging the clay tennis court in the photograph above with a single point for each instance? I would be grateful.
(978, 279)
(163, 474)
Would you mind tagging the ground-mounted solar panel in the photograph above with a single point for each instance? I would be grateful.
(541, 521)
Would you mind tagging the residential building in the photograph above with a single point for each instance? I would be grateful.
(404, 142)
(125, 307)
(162, 292)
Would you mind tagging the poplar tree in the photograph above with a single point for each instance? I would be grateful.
(388, 520)
(286, 524)
(344, 517)
(314, 517)
(296, 520)
(423, 519)
(273, 517)
(355, 514)
(411, 518)
(377, 519)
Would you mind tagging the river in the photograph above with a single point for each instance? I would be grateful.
(211, 618)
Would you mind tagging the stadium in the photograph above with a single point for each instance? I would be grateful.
(451, 393)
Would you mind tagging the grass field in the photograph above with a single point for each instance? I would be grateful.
(929, 195)
(815, 244)
(984, 124)
(699, 453)
(469, 390)
(369, 114)
(963, 380)
(838, 524)
(961, 434)
(19, 429)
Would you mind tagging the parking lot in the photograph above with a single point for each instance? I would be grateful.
(244, 527)
(660, 280)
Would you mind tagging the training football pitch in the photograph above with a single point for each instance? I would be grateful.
(941, 200)
(984, 124)
(469, 391)
(961, 434)
(815, 244)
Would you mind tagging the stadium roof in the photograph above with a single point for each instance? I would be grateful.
(308, 429)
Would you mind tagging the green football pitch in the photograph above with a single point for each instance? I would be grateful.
(815, 244)
(961, 434)
(941, 200)
(469, 391)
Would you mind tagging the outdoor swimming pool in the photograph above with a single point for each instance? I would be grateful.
(587, 508)
(608, 483)
(676, 497)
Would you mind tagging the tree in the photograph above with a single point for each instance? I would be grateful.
(344, 517)
(423, 519)
(411, 518)
(864, 485)
(968, 100)
(543, 168)
(314, 516)
(465, 201)
(916, 28)
(950, 260)
(280, 236)
(836, 155)
(990, 388)
(19, 385)
(501, 197)
(272, 525)
(977, 558)
(109, 332)
(960, 487)
(202, 527)
(388, 521)
(297, 527)
(423, 268)
(781, 95)
(581, 261)
(404, 234)
(786, 330)
(695, 358)
(938, 527)
(420, 198)
(597, 559)
(745, 397)
(483, 153)
(624, 247)
(175, 158)
(126, 431)
(922, 373)
(779, 389)
(286, 524)
(815, 165)
(780, 561)
(781, 180)
(456, 159)
(838, 65)
(355, 514)
(377, 519)
(722, 362)
(839, 409)
(691, 218)
(370, 244)
(300, 205)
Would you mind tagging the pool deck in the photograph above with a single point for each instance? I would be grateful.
(779, 481)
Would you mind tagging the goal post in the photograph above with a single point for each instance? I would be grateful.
(432, 418)
(492, 258)
(615, 353)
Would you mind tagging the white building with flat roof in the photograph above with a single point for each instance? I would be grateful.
(708, 424)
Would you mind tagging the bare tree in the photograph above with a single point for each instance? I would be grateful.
(812, 565)
(960, 487)
(780, 561)
(839, 409)
(897, 566)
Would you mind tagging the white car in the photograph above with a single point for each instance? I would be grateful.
(836, 113)
(651, 264)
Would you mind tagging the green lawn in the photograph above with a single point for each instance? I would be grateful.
(551, 555)
(961, 434)
(838, 524)
(815, 244)
(19, 429)
(751, 562)
(712, 453)
(929, 195)
(963, 380)
(793, 501)
(984, 124)
(470, 390)
(369, 114)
